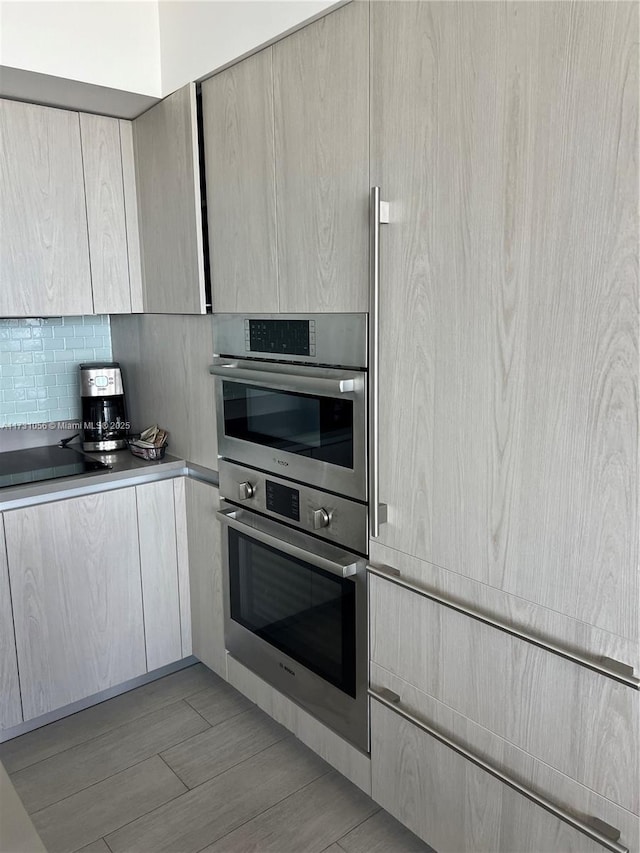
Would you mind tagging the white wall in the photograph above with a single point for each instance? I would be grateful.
(114, 44)
(199, 36)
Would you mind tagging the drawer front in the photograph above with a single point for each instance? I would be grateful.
(580, 722)
(454, 805)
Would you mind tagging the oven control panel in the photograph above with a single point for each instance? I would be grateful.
(336, 519)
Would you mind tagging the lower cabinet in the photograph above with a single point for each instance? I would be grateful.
(96, 592)
(457, 806)
(10, 705)
(205, 575)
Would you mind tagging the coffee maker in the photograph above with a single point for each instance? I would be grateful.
(104, 413)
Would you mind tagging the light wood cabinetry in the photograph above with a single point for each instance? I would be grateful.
(509, 320)
(74, 568)
(104, 191)
(10, 705)
(159, 569)
(237, 109)
(321, 101)
(205, 572)
(44, 253)
(169, 214)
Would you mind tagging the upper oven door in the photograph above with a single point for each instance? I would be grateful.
(306, 423)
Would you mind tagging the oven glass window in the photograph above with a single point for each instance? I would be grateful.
(303, 611)
(307, 425)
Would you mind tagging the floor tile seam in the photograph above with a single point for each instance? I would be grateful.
(364, 820)
(171, 701)
(226, 719)
(93, 785)
(176, 774)
(231, 766)
(263, 811)
(102, 734)
(184, 794)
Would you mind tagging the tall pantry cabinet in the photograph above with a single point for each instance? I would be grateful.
(504, 137)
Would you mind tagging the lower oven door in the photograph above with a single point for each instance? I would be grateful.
(296, 615)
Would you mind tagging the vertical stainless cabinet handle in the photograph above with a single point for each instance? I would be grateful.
(378, 215)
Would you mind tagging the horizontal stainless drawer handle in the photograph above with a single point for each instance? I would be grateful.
(342, 570)
(614, 669)
(594, 828)
(289, 381)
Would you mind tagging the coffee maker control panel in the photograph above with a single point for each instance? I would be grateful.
(104, 380)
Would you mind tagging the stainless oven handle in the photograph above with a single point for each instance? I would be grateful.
(289, 381)
(342, 570)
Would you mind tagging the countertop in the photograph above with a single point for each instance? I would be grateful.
(126, 469)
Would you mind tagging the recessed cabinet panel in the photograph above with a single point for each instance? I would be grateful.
(75, 582)
(104, 191)
(44, 252)
(237, 107)
(168, 185)
(321, 99)
(10, 707)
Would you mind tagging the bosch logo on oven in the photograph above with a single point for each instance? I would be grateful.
(287, 669)
(280, 462)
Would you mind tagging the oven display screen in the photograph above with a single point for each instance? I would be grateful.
(280, 337)
(283, 500)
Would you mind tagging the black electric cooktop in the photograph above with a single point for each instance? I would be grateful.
(45, 463)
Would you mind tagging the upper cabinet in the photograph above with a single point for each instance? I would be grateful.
(321, 103)
(169, 207)
(286, 137)
(237, 109)
(67, 247)
(44, 252)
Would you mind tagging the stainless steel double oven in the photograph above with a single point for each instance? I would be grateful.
(291, 400)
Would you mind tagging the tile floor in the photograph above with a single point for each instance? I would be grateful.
(188, 764)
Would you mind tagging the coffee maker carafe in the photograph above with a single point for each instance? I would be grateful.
(104, 413)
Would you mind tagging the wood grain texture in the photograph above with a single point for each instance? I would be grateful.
(348, 760)
(44, 258)
(189, 823)
(131, 215)
(71, 771)
(85, 725)
(10, 703)
(159, 572)
(453, 805)
(106, 223)
(380, 834)
(557, 787)
(579, 722)
(75, 578)
(526, 150)
(226, 744)
(182, 547)
(300, 822)
(165, 361)
(17, 833)
(104, 807)
(205, 573)
(168, 184)
(237, 108)
(220, 702)
(321, 97)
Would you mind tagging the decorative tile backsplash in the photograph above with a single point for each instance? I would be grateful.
(39, 360)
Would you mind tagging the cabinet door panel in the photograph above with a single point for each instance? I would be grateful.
(159, 569)
(509, 357)
(322, 163)
(75, 578)
(237, 108)
(44, 257)
(580, 722)
(168, 183)
(454, 805)
(102, 161)
(205, 571)
(10, 706)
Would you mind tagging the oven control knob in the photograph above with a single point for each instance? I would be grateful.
(245, 491)
(321, 518)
